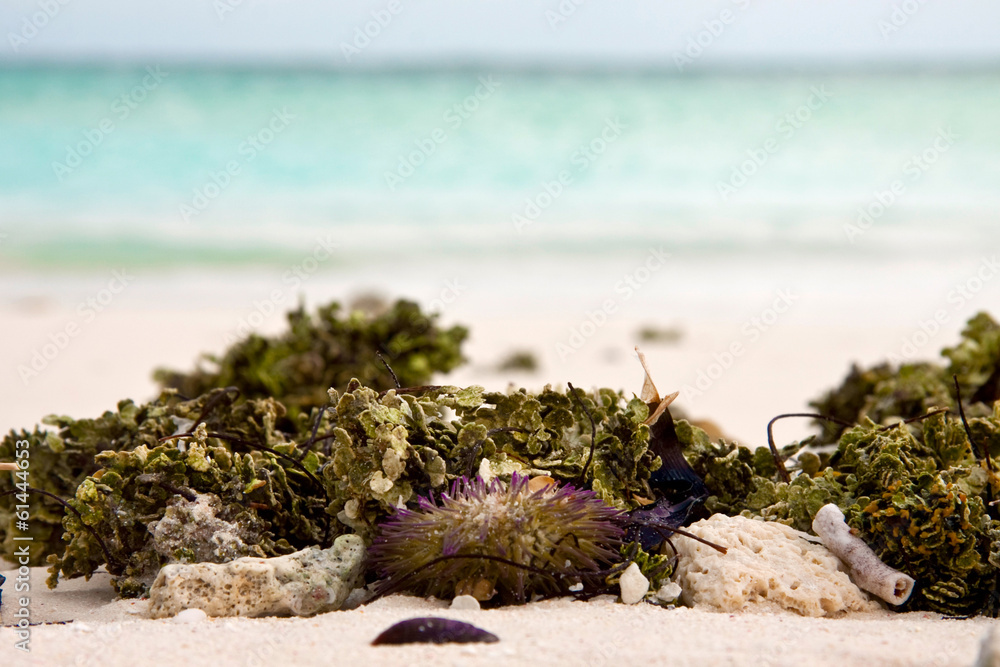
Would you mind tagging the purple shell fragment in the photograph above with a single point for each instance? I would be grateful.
(433, 630)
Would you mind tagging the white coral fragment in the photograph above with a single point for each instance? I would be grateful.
(304, 583)
(867, 570)
(768, 567)
(634, 585)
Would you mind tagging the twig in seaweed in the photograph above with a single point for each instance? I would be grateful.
(593, 435)
(778, 462)
(718, 547)
(214, 402)
(777, 456)
(660, 526)
(307, 447)
(388, 368)
(419, 389)
(264, 448)
(912, 420)
(556, 577)
(114, 567)
(968, 431)
(186, 492)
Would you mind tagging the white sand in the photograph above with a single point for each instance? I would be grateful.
(167, 321)
(555, 632)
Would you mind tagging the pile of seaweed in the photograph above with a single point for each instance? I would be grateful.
(915, 477)
(265, 390)
(293, 441)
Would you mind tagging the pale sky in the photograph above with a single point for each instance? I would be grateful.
(585, 33)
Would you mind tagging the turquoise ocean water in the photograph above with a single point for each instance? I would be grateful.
(170, 165)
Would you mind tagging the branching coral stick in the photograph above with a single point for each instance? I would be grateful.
(867, 570)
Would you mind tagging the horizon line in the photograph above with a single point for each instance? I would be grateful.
(764, 66)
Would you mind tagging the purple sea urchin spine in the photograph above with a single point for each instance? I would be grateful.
(501, 538)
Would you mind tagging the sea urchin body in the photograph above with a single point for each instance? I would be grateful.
(499, 538)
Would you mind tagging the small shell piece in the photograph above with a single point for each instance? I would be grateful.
(434, 630)
(633, 584)
(867, 571)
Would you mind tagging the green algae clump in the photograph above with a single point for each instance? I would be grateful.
(226, 461)
(921, 495)
(327, 350)
(294, 369)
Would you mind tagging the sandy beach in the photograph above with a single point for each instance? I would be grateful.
(104, 632)
(760, 196)
(82, 624)
(795, 326)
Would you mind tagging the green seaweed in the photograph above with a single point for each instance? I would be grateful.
(327, 350)
(886, 393)
(296, 369)
(919, 494)
(152, 480)
(373, 452)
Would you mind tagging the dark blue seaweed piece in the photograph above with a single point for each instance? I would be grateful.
(434, 630)
(2, 579)
(679, 488)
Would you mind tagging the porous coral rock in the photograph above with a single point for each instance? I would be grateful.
(195, 531)
(304, 583)
(768, 566)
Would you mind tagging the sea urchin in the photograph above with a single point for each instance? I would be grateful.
(485, 539)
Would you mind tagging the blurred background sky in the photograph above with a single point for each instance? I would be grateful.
(574, 33)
